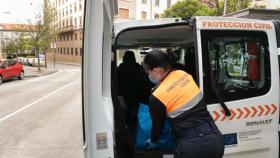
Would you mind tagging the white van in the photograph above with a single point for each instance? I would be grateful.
(235, 63)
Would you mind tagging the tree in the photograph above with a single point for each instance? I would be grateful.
(24, 42)
(48, 37)
(10, 48)
(188, 8)
(43, 32)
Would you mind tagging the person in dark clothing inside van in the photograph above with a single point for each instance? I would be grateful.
(130, 85)
(131, 89)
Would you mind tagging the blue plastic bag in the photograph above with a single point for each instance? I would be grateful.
(166, 140)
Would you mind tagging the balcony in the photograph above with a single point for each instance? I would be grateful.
(66, 29)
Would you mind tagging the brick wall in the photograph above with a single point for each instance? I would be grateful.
(64, 58)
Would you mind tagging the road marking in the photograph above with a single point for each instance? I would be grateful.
(36, 101)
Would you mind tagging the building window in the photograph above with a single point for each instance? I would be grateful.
(75, 7)
(75, 21)
(76, 36)
(72, 51)
(76, 51)
(144, 1)
(81, 51)
(157, 2)
(81, 35)
(67, 51)
(81, 21)
(80, 7)
(70, 9)
(156, 16)
(124, 13)
(66, 11)
(143, 15)
(168, 3)
(71, 37)
(67, 36)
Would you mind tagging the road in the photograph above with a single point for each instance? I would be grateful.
(42, 117)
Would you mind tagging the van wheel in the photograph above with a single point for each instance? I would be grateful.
(21, 75)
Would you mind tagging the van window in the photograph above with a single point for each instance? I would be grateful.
(237, 63)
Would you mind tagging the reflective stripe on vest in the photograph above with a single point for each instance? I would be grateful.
(178, 92)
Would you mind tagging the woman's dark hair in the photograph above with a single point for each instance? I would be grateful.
(129, 57)
(158, 58)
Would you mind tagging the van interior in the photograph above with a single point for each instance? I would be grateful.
(177, 38)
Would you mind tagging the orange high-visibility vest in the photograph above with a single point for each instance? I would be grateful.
(178, 92)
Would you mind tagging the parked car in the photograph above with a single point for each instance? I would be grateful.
(10, 69)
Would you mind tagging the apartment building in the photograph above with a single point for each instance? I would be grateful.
(142, 9)
(69, 23)
(127, 10)
(67, 47)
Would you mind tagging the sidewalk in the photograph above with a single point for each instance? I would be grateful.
(76, 64)
(30, 71)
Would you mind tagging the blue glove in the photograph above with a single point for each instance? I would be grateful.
(150, 145)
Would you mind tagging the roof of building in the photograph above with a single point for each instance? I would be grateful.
(17, 27)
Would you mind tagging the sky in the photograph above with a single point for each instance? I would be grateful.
(19, 11)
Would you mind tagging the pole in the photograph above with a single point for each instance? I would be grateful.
(225, 7)
(37, 53)
(54, 58)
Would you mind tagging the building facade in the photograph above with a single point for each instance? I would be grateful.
(69, 23)
(67, 47)
(10, 32)
(142, 9)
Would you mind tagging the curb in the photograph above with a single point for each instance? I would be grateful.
(44, 74)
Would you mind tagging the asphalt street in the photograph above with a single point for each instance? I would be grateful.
(41, 117)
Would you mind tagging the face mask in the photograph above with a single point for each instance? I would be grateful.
(152, 80)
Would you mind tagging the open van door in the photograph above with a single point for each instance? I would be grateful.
(141, 36)
(97, 104)
(239, 59)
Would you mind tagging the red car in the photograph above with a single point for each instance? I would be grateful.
(10, 69)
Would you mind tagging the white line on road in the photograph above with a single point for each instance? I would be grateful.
(36, 101)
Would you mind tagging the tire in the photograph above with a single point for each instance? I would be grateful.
(21, 75)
